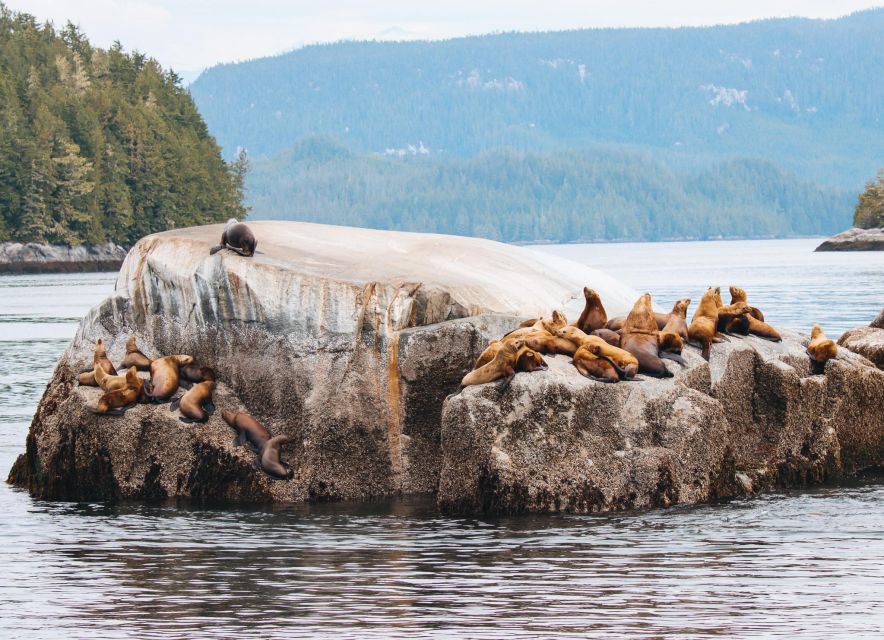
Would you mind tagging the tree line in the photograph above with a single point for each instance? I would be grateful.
(100, 145)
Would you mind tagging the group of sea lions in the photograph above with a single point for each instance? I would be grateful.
(167, 375)
(611, 350)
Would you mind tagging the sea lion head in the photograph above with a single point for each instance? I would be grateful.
(742, 307)
(737, 294)
(132, 376)
(530, 360)
(100, 351)
(670, 342)
(681, 306)
(131, 345)
(591, 295)
(815, 331)
(569, 333)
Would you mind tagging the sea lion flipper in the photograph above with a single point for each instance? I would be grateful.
(173, 406)
(185, 384)
(209, 407)
(675, 357)
(215, 249)
(186, 420)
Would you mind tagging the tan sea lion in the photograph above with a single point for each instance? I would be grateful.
(675, 333)
(593, 316)
(99, 359)
(639, 336)
(754, 323)
(134, 357)
(118, 401)
(624, 363)
(527, 359)
(539, 339)
(502, 365)
(710, 314)
(165, 376)
(820, 349)
(739, 295)
(196, 404)
(112, 383)
(238, 238)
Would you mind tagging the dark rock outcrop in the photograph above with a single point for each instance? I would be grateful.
(855, 239)
(867, 341)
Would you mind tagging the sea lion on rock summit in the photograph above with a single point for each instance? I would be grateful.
(118, 401)
(754, 323)
(820, 349)
(99, 359)
(113, 383)
(639, 336)
(594, 315)
(502, 365)
(134, 357)
(238, 238)
(624, 363)
(527, 359)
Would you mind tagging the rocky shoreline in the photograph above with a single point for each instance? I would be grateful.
(350, 343)
(17, 257)
(855, 239)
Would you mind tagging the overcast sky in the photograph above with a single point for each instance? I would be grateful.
(189, 35)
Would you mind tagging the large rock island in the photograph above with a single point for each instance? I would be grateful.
(349, 341)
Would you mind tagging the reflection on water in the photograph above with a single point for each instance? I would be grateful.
(807, 562)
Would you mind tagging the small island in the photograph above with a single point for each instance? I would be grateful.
(350, 343)
(868, 231)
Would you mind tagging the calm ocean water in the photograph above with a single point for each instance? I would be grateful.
(809, 562)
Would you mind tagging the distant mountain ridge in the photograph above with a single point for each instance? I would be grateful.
(803, 94)
(762, 129)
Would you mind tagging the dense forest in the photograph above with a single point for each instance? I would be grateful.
(869, 212)
(98, 145)
(803, 94)
(596, 194)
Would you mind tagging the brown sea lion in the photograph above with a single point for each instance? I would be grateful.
(677, 320)
(539, 339)
(593, 316)
(502, 365)
(196, 404)
(165, 376)
(249, 432)
(639, 336)
(754, 323)
(710, 314)
(268, 459)
(134, 357)
(527, 359)
(99, 359)
(820, 349)
(196, 373)
(611, 337)
(238, 238)
(625, 364)
(739, 295)
(118, 401)
(670, 346)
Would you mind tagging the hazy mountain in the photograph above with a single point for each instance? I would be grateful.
(660, 132)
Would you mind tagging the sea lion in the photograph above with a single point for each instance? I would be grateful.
(624, 363)
(710, 314)
(639, 336)
(673, 336)
(593, 316)
(112, 383)
(539, 339)
(502, 365)
(238, 238)
(99, 359)
(754, 322)
(118, 401)
(134, 357)
(616, 324)
(249, 432)
(196, 404)
(196, 373)
(611, 337)
(165, 376)
(820, 349)
(268, 459)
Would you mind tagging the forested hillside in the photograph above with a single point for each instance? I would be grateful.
(555, 196)
(98, 145)
(869, 212)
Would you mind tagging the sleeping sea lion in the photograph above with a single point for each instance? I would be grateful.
(268, 458)
(502, 365)
(99, 359)
(196, 404)
(164, 376)
(639, 336)
(820, 349)
(118, 401)
(593, 316)
(134, 357)
(527, 359)
(590, 348)
(112, 383)
(238, 238)
(754, 323)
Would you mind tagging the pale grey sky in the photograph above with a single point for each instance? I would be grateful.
(188, 35)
